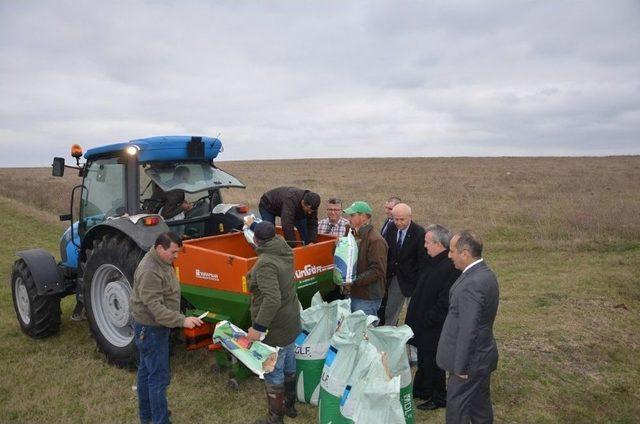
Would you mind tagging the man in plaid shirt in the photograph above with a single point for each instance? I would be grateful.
(334, 224)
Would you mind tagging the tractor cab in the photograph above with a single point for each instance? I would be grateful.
(183, 186)
(130, 193)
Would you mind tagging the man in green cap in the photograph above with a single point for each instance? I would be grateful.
(368, 289)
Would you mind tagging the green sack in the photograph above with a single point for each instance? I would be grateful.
(393, 341)
(319, 323)
(339, 364)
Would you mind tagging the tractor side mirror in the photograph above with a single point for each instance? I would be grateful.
(58, 167)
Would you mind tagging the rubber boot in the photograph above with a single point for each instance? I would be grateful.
(290, 395)
(275, 402)
(78, 313)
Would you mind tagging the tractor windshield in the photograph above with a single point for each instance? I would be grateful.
(184, 194)
(191, 177)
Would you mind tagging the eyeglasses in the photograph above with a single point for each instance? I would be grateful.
(334, 210)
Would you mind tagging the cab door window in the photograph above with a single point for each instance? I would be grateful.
(104, 194)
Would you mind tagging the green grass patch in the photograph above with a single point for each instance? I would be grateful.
(569, 353)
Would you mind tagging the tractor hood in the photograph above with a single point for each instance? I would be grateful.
(163, 149)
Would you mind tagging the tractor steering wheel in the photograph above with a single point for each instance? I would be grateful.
(200, 201)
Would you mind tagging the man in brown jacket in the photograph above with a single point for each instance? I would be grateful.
(368, 289)
(275, 316)
(155, 307)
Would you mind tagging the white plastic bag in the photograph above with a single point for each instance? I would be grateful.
(345, 259)
(319, 323)
(339, 365)
(393, 341)
(378, 396)
(248, 232)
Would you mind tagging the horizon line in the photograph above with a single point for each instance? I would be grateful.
(629, 155)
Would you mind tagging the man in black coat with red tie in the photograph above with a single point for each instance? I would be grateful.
(426, 315)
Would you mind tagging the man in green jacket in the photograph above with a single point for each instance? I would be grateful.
(368, 289)
(275, 314)
(155, 307)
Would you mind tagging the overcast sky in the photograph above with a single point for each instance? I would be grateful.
(298, 79)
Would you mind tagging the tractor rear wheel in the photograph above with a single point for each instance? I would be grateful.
(108, 282)
(39, 316)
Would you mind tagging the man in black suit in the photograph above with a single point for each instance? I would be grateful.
(388, 207)
(467, 348)
(426, 314)
(406, 253)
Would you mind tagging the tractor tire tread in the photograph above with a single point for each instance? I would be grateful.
(45, 310)
(123, 251)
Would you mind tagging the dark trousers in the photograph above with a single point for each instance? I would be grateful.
(300, 224)
(429, 381)
(153, 372)
(469, 400)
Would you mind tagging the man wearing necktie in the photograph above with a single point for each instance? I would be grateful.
(405, 257)
(388, 207)
(467, 348)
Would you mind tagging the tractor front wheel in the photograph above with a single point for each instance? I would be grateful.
(108, 282)
(39, 316)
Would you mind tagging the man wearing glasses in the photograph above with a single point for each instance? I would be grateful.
(334, 224)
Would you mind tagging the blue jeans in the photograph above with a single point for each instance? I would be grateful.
(154, 374)
(300, 224)
(286, 364)
(369, 307)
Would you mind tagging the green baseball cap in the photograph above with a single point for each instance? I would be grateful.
(358, 207)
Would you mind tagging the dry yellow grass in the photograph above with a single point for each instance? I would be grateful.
(539, 199)
(562, 235)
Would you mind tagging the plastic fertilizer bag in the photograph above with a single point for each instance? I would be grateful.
(339, 365)
(367, 355)
(248, 232)
(319, 323)
(392, 341)
(345, 259)
(377, 396)
(257, 356)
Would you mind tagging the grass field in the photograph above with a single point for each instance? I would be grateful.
(562, 234)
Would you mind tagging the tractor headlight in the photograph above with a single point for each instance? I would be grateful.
(132, 150)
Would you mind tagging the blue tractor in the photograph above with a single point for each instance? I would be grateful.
(130, 193)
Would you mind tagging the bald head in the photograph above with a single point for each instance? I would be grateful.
(401, 215)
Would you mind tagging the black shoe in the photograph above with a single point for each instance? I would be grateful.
(431, 405)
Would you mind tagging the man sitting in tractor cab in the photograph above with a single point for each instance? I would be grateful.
(172, 204)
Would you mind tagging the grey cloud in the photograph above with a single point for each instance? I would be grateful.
(313, 79)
